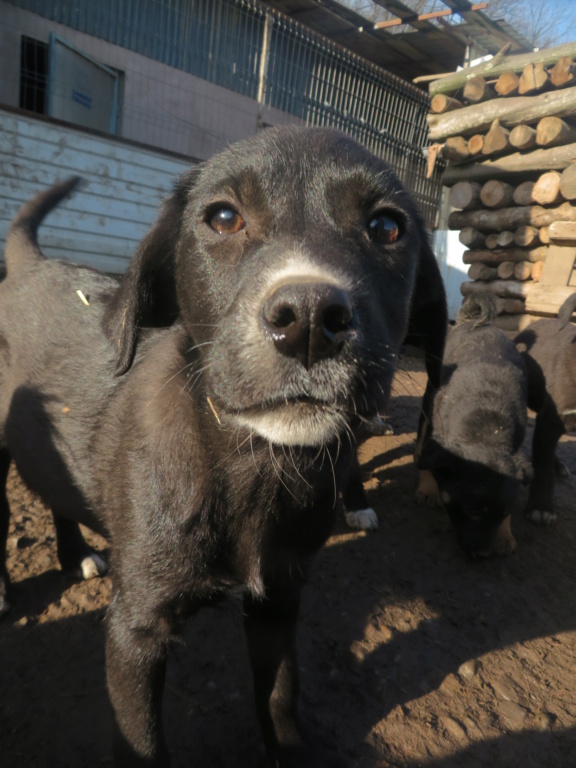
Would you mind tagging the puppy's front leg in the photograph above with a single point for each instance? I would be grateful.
(270, 626)
(548, 429)
(135, 670)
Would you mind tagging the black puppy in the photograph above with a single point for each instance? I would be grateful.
(472, 461)
(551, 345)
(203, 413)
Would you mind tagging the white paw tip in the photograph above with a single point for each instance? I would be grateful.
(93, 566)
(363, 519)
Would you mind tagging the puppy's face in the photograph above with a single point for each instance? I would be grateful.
(295, 270)
(477, 493)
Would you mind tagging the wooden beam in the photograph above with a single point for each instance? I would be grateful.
(426, 16)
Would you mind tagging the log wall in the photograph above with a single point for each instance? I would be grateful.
(508, 135)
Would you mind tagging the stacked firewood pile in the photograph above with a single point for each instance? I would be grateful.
(507, 128)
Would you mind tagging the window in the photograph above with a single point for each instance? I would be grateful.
(33, 75)
(59, 80)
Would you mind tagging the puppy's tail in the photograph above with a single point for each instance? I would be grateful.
(22, 249)
(478, 309)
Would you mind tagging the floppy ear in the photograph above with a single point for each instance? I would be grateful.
(146, 297)
(429, 312)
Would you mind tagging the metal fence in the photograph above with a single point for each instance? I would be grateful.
(244, 47)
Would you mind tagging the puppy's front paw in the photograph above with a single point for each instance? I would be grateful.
(362, 519)
(427, 494)
(93, 565)
(504, 542)
(541, 517)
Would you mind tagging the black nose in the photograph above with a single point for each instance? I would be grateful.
(308, 321)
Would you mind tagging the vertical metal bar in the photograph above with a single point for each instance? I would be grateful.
(263, 69)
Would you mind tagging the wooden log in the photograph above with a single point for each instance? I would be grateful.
(568, 182)
(476, 144)
(495, 257)
(456, 149)
(522, 137)
(511, 218)
(465, 195)
(479, 271)
(506, 270)
(522, 195)
(507, 84)
(505, 238)
(562, 230)
(510, 112)
(509, 306)
(563, 73)
(500, 63)
(523, 270)
(471, 238)
(526, 237)
(495, 193)
(553, 159)
(497, 140)
(537, 268)
(544, 235)
(505, 288)
(552, 131)
(492, 241)
(547, 189)
(534, 78)
(477, 89)
(442, 103)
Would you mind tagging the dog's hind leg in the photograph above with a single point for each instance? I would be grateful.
(74, 554)
(4, 521)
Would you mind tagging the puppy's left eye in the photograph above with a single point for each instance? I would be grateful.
(226, 221)
(383, 228)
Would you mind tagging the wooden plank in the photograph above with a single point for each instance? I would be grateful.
(562, 230)
(547, 299)
(45, 132)
(102, 223)
(558, 267)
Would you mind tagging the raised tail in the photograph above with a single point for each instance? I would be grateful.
(22, 249)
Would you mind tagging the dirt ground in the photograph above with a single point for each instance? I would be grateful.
(410, 654)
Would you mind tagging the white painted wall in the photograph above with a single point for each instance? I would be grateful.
(449, 250)
(101, 224)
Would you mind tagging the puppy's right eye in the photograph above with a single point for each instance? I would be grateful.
(225, 221)
(384, 228)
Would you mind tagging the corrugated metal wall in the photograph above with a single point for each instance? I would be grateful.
(101, 224)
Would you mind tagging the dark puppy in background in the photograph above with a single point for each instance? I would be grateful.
(203, 413)
(472, 461)
(549, 345)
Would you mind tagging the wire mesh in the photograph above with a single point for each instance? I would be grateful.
(200, 73)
